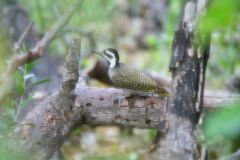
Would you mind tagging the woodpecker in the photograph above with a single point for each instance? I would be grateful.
(127, 77)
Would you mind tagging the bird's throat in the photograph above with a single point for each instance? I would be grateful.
(112, 63)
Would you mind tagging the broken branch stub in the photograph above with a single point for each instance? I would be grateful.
(188, 64)
(45, 128)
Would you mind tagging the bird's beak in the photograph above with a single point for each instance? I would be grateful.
(95, 52)
(98, 53)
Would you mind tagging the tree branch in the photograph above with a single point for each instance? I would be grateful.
(20, 59)
(17, 45)
(45, 128)
(103, 106)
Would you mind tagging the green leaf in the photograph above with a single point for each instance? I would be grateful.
(224, 122)
(28, 67)
(23, 104)
(20, 87)
(41, 82)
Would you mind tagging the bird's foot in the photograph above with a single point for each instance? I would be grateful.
(142, 94)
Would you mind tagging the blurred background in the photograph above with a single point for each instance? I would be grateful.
(142, 31)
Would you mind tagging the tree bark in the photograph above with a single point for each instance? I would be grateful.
(45, 128)
(103, 106)
(190, 53)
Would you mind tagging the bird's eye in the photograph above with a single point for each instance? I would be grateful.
(109, 56)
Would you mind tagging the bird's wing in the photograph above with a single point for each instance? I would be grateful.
(131, 78)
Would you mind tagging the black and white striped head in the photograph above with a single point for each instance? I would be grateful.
(111, 55)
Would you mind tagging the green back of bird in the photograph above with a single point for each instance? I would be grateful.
(124, 76)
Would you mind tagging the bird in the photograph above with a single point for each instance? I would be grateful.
(127, 77)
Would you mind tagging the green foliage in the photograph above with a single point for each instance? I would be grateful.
(173, 16)
(22, 104)
(7, 121)
(28, 67)
(152, 41)
(45, 12)
(8, 154)
(160, 44)
(221, 129)
(223, 123)
(11, 109)
(152, 134)
(222, 21)
(115, 157)
(220, 15)
(20, 83)
(91, 16)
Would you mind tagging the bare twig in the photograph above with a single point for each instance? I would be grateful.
(20, 59)
(50, 34)
(19, 42)
(37, 51)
